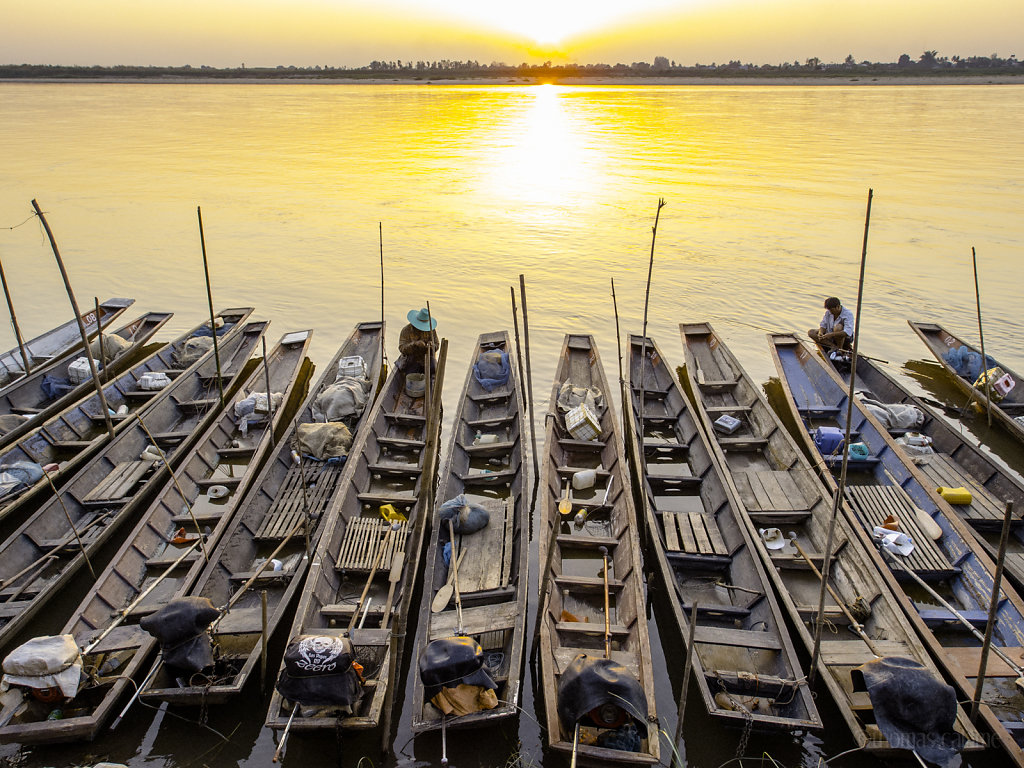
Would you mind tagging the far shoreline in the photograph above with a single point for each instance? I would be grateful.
(872, 80)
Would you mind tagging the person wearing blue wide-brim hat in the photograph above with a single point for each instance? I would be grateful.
(416, 340)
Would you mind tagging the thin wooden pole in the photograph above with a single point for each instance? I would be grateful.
(529, 374)
(687, 672)
(99, 333)
(380, 240)
(826, 566)
(67, 515)
(270, 400)
(618, 343)
(993, 608)
(78, 318)
(519, 348)
(643, 340)
(263, 641)
(607, 608)
(981, 335)
(209, 300)
(302, 479)
(14, 322)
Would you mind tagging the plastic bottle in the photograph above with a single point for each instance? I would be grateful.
(584, 479)
(476, 439)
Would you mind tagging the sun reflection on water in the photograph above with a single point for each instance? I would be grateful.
(541, 160)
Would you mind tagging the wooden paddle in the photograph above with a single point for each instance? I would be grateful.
(444, 594)
(394, 577)
(565, 506)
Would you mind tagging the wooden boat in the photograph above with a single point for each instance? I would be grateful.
(956, 462)
(42, 555)
(947, 347)
(72, 436)
(392, 463)
(487, 466)
(27, 398)
(884, 483)
(578, 604)
(55, 343)
(269, 524)
(777, 488)
(744, 661)
(162, 557)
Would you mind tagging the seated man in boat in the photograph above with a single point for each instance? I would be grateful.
(836, 328)
(416, 340)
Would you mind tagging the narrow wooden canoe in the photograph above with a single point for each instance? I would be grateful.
(573, 618)
(271, 513)
(42, 555)
(487, 464)
(151, 568)
(394, 462)
(887, 483)
(26, 398)
(956, 463)
(777, 488)
(947, 347)
(73, 436)
(744, 660)
(55, 343)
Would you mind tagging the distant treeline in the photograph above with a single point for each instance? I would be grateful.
(927, 64)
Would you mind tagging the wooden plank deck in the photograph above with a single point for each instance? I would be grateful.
(288, 506)
(363, 540)
(693, 533)
(873, 503)
(119, 482)
(943, 472)
(488, 551)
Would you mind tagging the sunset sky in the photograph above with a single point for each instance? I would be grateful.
(227, 33)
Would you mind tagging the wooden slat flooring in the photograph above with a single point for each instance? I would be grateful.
(364, 537)
(873, 503)
(944, 473)
(769, 491)
(119, 482)
(693, 533)
(288, 507)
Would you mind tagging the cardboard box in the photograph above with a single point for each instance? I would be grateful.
(582, 423)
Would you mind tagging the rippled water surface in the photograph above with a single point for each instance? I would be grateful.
(766, 189)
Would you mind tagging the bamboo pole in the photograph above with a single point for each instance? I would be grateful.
(78, 318)
(837, 498)
(209, 300)
(99, 334)
(687, 672)
(993, 607)
(380, 239)
(270, 400)
(67, 515)
(14, 322)
(519, 349)
(981, 335)
(643, 341)
(263, 641)
(618, 344)
(529, 374)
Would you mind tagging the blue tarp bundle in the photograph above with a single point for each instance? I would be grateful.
(491, 369)
(966, 362)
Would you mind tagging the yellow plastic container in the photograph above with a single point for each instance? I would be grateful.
(955, 495)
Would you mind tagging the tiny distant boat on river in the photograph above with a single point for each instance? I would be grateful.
(42, 555)
(781, 495)
(44, 392)
(472, 624)
(744, 660)
(55, 344)
(71, 437)
(953, 462)
(595, 652)
(161, 558)
(883, 482)
(340, 668)
(963, 361)
(283, 513)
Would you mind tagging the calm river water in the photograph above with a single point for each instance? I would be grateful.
(766, 189)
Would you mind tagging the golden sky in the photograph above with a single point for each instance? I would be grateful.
(226, 33)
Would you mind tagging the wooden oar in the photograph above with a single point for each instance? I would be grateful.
(458, 594)
(395, 576)
(444, 594)
(565, 506)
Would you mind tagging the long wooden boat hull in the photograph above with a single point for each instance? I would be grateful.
(393, 463)
(71, 437)
(271, 514)
(700, 539)
(944, 345)
(43, 554)
(573, 618)
(56, 343)
(777, 488)
(887, 483)
(163, 556)
(492, 472)
(29, 400)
